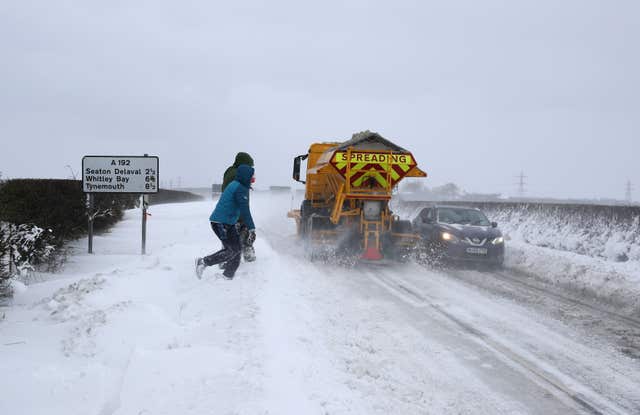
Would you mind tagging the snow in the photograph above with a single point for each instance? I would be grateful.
(120, 333)
(577, 252)
(592, 231)
(612, 283)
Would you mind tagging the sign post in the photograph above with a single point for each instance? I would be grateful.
(145, 204)
(120, 174)
(90, 217)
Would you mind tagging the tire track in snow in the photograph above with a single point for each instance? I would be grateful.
(534, 372)
(622, 330)
(626, 319)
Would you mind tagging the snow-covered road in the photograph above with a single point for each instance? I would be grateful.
(118, 333)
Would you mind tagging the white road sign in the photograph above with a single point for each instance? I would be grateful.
(120, 174)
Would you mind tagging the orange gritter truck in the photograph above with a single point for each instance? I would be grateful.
(348, 186)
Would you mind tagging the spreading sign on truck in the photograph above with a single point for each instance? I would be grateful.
(381, 167)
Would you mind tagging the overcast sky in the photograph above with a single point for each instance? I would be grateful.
(478, 90)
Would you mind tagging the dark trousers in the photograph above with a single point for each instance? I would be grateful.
(231, 249)
(243, 232)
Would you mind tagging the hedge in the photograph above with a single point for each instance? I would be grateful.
(59, 205)
(48, 212)
(173, 196)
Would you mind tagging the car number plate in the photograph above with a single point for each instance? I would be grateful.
(477, 251)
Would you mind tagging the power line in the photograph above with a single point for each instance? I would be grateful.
(521, 184)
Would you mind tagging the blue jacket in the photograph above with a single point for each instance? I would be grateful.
(234, 201)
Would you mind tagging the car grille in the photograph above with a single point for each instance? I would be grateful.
(475, 241)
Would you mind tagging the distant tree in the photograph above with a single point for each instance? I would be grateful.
(413, 186)
(447, 191)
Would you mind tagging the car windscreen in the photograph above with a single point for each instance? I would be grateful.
(462, 216)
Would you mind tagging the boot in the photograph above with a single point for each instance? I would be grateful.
(248, 253)
(200, 266)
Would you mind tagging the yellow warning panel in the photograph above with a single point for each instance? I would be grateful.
(362, 165)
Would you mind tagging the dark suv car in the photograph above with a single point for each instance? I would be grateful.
(460, 233)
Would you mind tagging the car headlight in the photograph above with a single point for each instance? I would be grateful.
(499, 240)
(449, 237)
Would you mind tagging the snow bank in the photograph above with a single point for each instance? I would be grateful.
(615, 284)
(611, 233)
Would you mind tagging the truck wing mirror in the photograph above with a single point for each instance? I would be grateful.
(296, 167)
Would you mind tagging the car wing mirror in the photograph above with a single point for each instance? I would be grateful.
(494, 224)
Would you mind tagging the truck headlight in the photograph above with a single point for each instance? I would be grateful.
(497, 241)
(449, 237)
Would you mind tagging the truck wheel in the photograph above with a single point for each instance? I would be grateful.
(401, 226)
(305, 212)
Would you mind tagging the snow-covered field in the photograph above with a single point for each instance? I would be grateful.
(120, 333)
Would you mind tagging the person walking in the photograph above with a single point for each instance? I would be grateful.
(232, 206)
(248, 251)
(230, 173)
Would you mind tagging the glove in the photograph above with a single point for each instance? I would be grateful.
(251, 236)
